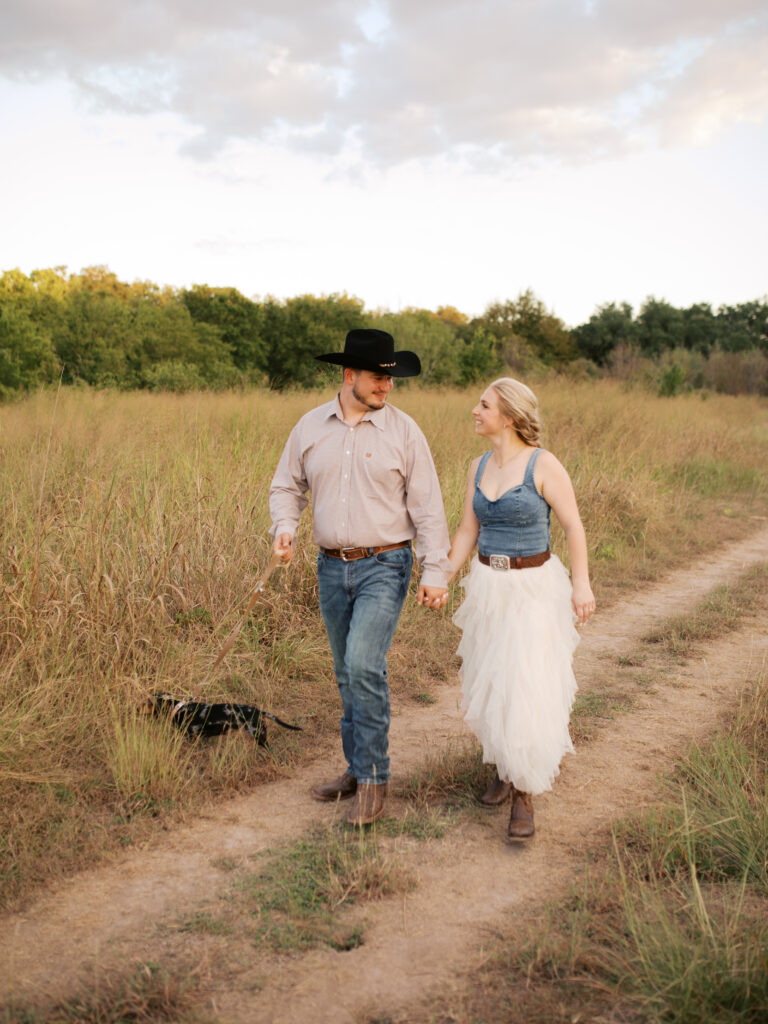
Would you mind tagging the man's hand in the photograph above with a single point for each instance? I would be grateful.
(432, 597)
(283, 546)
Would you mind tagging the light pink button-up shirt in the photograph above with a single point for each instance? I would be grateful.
(371, 484)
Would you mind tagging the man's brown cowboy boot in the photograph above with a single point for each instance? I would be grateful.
(368, 806)
(496, 793)
(340, 789)
(521, 818)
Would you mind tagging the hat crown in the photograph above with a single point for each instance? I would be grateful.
(367, 348)
(372, 345)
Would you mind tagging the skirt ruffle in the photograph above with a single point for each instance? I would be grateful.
(516, 676)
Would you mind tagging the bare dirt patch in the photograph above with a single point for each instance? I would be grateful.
(468, 883)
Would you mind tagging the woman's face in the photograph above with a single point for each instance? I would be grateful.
(489, 419)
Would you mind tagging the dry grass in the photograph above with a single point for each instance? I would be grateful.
(145, 995)
(718, 614)
(132, 527)
(671, 642)
(667, 923)
(453, 774)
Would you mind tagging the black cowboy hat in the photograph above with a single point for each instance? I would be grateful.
(368, 349)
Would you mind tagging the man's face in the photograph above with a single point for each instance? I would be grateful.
(371, 389)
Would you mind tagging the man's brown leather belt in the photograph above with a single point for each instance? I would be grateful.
(512, 562)
(353, 554)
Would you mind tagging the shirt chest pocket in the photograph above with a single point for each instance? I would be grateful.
(380, 472)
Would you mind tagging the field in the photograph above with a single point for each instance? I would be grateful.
(134, 525)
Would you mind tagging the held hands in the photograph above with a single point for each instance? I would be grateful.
(432, 597)
(283, 546)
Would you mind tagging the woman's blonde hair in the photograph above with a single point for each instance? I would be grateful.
(518, 402)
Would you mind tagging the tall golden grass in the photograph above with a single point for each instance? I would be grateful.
(133, 526)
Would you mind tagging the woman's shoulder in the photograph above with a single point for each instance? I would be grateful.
(546, 458)
(478, 459)
(474, 467)
(547, 466)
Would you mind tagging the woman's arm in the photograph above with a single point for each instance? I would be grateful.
(557, 490)
(465, 537)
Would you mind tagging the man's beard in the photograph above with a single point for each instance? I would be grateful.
(366, 401)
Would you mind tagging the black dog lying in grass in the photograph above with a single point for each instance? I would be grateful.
(197, 719)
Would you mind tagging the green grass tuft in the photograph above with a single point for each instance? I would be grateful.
(297, 894)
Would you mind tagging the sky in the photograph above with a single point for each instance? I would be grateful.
(411, 153)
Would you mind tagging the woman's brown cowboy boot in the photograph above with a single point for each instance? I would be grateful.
(521, 818)
(496, 793)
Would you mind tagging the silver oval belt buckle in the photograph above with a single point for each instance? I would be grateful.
(499, 561)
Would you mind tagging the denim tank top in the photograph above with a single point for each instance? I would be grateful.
(517, 523)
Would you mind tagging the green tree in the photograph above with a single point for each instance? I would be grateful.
(660, 326)
(26, 354)
(743, 326)
(451, 315)
(17, 291)
(609, 326)
(433, 341)
(478, 359)
(165, 334)
(527, 318)
(173, 375)
(671, 380)
(100, 280)
(699, 328)
(51, 290)
(93, 340)
(239, 320)
(297, 330)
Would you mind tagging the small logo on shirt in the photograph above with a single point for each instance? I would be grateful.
(367, 455)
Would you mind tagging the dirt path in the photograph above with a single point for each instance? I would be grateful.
(467, 883)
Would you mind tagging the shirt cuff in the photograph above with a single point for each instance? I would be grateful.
(283, 526)
(434, 578)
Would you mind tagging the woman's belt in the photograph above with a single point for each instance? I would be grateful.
(514, 561)
(353, 554)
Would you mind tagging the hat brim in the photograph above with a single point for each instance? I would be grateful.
(406, 364)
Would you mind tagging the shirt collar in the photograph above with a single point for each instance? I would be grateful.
(374, 416)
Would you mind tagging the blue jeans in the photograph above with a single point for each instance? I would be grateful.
(360, 603)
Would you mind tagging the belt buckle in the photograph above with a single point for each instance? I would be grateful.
(343, 554)
(499, 561)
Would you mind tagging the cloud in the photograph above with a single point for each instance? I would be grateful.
(507, 80)
(725, 85)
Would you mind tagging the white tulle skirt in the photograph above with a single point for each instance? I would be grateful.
(516, 676)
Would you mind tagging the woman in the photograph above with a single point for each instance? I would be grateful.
(518, 614)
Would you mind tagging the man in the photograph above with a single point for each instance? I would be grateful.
(374, 490)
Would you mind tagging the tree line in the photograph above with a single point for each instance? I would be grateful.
(91, 328)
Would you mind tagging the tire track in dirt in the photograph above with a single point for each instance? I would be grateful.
(472, 884)
(467, 883)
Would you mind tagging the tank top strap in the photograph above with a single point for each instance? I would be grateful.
(481, 467)
(529, 469)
